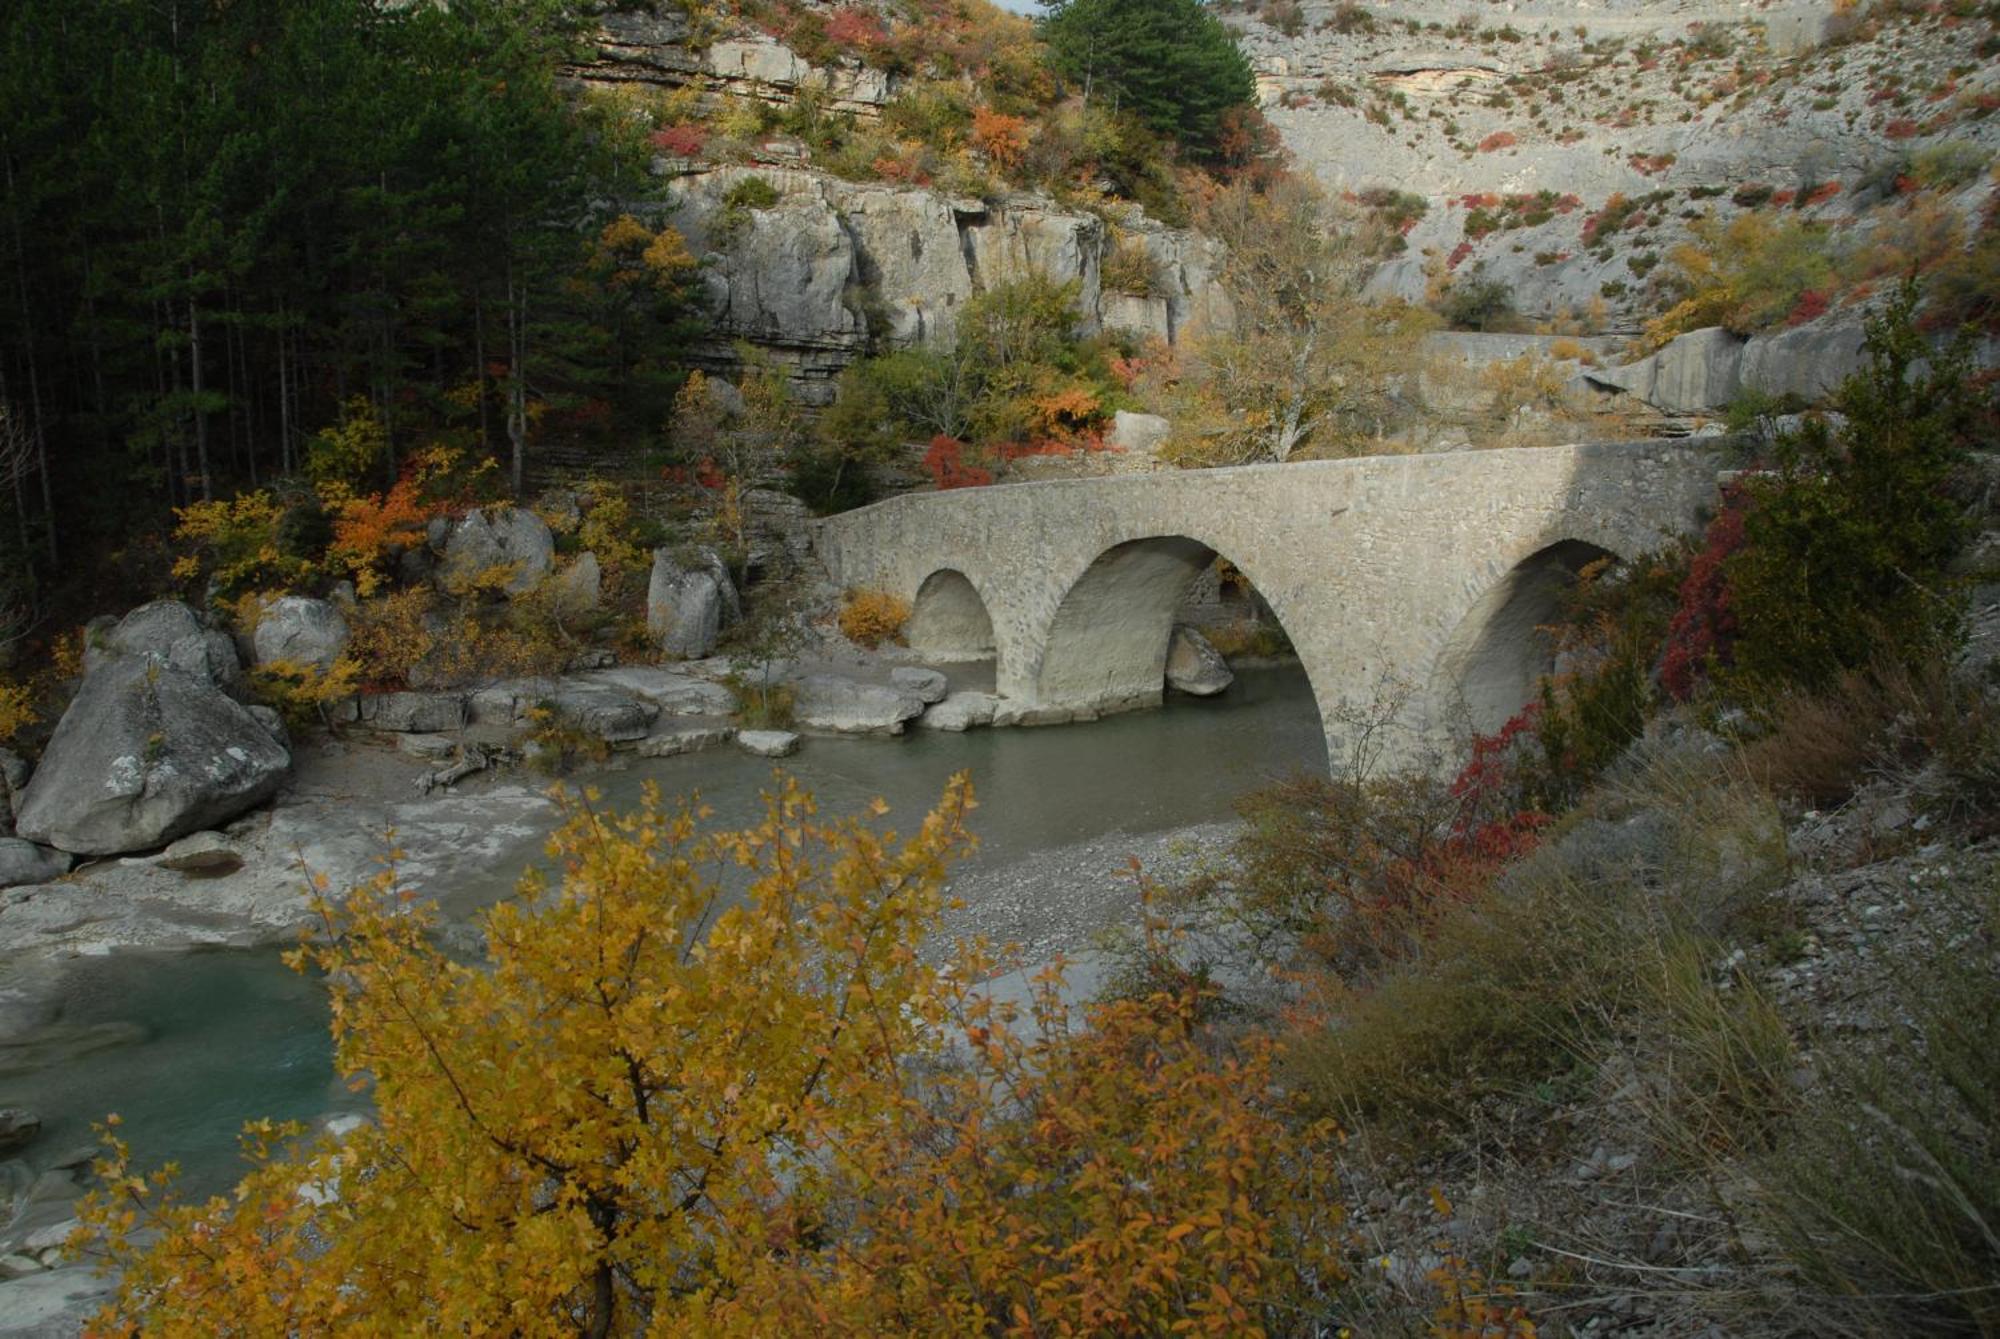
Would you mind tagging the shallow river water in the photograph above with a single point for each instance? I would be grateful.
(199, 1043)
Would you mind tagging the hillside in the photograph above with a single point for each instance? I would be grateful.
(1567, 149)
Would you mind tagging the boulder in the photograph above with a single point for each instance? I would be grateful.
(511, 538)
(961, 711)
(18, 1128)
(301, 631)
(429, 748)
(580, 587)
(273, 723)
(413, 713)
(604, 713)
(1696, 373)
(13, 780)
(678, 739)
(24, 862)
(53, 1302)
(686, 602)
(844, 706)
(928, 684)
(1193, 666)
(167, 632)
(1138, 434)
(147, 753)
(207, 853)
(768, 743)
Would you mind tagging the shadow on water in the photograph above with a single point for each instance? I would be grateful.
(199, 1043)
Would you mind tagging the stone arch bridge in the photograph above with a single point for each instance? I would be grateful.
(1429, 576)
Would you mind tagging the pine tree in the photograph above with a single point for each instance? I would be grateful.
(1170, 63)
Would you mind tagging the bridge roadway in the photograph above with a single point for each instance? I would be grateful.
(1417, 581)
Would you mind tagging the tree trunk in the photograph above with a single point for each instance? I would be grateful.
(200, 412)
(517, 386)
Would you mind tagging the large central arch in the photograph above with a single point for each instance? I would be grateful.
(1107, 645)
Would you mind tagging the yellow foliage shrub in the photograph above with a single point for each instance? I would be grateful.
(345, 452)
(658, 1106)
(236, 542)
(1569, 350)
(303, 693)
(870, 617)
(17, 710)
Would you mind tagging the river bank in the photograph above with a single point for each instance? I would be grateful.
(157, 991)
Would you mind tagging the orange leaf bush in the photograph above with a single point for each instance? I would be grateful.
(870, 617)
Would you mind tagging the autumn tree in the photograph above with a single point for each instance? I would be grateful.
(1304, 366)
(706, 1084)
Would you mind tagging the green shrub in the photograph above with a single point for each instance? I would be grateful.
(752, 192)
(1849, 540)
(1476, 302)
(1947, 166)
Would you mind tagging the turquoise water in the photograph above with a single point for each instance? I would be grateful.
(196, 1044)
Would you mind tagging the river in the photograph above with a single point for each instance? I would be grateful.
(198, 1043)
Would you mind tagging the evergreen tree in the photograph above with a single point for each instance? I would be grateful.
(1170, 63)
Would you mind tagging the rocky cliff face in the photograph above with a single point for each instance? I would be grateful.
(665, 51)
(1678, 106)
(834, 268)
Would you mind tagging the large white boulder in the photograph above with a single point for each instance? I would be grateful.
(688, 602)
(1193, 666)
(845, 706)
(961, 711)
(147, 753)
(300, 631)
(928, 685)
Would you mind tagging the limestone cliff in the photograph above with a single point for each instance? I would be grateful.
(833, 268)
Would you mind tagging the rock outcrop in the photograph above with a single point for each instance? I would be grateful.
(1703, 371)
(833, 265)
(146, 753)
(511, 545)
(658, 49)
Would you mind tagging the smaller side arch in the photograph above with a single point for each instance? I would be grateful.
(1501, 649)
(949, 620)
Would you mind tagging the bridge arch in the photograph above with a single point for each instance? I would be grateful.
(1502, 646)
(949, 619)
(1106, 643)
